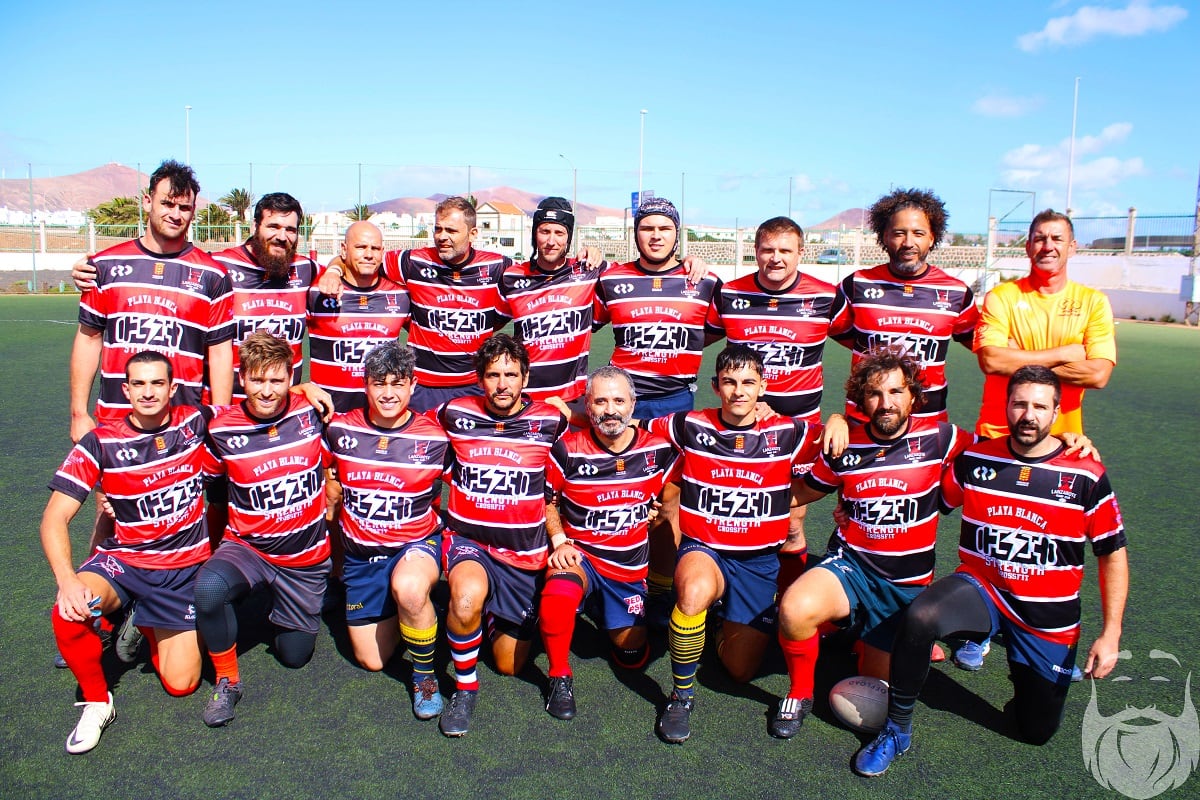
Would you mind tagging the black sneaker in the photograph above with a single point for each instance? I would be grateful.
(787, 719)
(129, 638)
(674, 725)
(456, 719)
(219, 709)
(560, 699)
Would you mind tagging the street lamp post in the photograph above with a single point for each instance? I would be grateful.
(641, 153)
(187, 135)
(574, 183)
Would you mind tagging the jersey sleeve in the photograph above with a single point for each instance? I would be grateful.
(1104, 526)
(1099, 338)
(714, 323)
(952, 492)
(80, 470)
(994, 323)
(822, 477)
(220, 312)
(842, 331)
(963, 331)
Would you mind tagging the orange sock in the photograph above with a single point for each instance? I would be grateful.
(225, 664)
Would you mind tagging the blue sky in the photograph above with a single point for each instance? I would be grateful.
(846, 100)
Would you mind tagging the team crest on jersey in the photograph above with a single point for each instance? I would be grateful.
(307, 428)
(656, 285)
(392, 301)
(381, 446)
(112, 567)
(193, 280)
(620, 466)
(690, 289)
(1024, 475)
(1065, 492)
(364, 301)
(500, 426)
(941, 299)
(807, 307)
(420, 452)
(773, 304)
(1070, 308)
(770, 442)
(914, 453)
(159, 269)
(635, 606)
(908, 290)
(294, 277)
(189, 436)
(882, 454)
(650, 465)
(535, 429)
(273, 434)
(739, 443)
(456, 276)
(160, 445)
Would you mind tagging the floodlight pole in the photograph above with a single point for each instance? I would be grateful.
(641, 153)
(187, 135)
(574, 183)
(1071, 154)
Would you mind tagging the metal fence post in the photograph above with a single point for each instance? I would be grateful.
(1129, 231)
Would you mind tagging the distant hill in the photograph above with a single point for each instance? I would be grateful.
(850, 218)
(76, 192)
(585, 214)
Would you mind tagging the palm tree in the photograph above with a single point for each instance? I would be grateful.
(117, 217)
(213, 223)
(237, 201)
(359, 213)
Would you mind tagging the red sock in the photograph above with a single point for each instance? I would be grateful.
(81, 647)
(801, 659)
(791, 567)
(560, 600)
(225, 664)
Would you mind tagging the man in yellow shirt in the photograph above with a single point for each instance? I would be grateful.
(1045, 319)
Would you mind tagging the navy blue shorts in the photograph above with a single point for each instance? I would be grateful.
(512, 592)
(654, 407)
(369, 580)
(297, 591)
(1052, 661)
(427, 398)
(750, 588)
(874, 600)
(165, 597)
(614, 604)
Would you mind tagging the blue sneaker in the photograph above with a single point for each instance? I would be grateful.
(970, 655)
(427, 700)
(1076, 674)
(874, 759)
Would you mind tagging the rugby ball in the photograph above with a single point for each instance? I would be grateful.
(860, 703)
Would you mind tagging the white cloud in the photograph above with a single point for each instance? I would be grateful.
(1037, 166)
(1090, 22)
(1002, 105)
(803, 183)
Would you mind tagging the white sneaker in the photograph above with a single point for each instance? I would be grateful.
(96, 717)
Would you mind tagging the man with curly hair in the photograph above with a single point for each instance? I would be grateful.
(908, 301)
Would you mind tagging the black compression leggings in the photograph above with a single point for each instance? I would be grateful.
(218, 586)
(952, 608)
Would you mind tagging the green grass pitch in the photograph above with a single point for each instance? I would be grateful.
(333, 730)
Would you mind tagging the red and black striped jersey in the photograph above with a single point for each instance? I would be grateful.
(177, 304)
(787, 328)
(890, 490)
(276, 481)
(259, 303)
(390, 477)
(498, 481)
(552, 316)
(1025, 526)
(735, 487)
(341, 331)
(454, 310)
(603, 497)
(155, 482)
(658, 324)
(920, 314)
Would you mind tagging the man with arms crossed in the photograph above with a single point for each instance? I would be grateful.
(150, 465)
(390, 462)
(1029, 512)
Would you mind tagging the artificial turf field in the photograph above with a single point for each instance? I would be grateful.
(334, 730)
